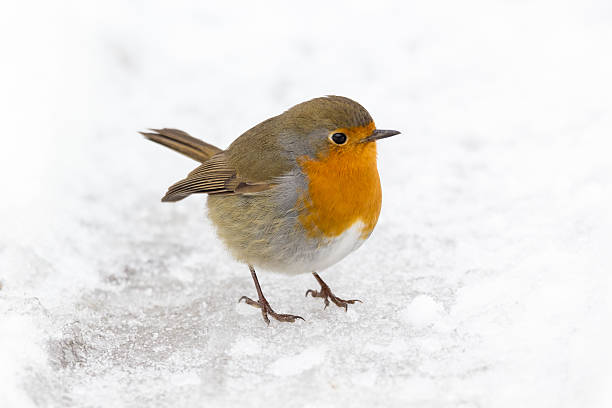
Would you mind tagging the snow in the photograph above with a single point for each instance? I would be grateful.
(486, 282)
(293, 365)
(422, 311)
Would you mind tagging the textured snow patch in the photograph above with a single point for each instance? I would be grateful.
(18, 354)
(366, 379)
(422, 311)
(184, 379)
(307, 359)
(244, 347)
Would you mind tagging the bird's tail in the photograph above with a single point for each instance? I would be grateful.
(183, 143)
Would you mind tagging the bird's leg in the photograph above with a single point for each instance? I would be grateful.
(263, 304)
(327, 294)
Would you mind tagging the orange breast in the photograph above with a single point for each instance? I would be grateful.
(343, 188)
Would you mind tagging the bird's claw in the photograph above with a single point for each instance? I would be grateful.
(327, 294)
(266, 310)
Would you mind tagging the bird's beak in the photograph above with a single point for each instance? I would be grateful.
(380, 134)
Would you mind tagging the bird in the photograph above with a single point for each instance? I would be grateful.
(294, 194)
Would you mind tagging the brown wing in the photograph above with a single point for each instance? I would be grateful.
(214, 176)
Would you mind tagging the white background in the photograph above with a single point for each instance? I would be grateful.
(485, 284)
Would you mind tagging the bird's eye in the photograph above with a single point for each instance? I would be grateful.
(338, 138)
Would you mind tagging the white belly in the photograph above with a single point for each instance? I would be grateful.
(315, 258)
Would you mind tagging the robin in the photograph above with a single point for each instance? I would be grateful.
(294, 194)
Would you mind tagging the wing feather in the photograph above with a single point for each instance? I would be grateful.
(214, 176)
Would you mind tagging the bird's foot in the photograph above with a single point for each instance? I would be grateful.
(266, 310)
(327, 295)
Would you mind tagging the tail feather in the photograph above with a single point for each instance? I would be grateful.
(183, 143)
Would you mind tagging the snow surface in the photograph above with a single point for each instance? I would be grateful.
(486, 283)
